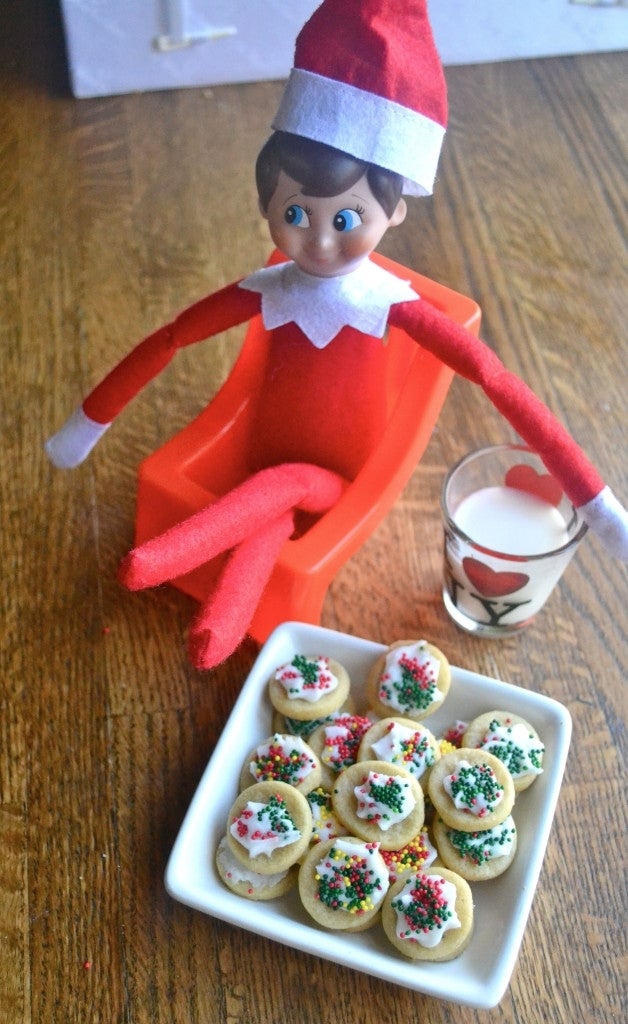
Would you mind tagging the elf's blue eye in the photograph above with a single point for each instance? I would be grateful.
(297, 217)
(347, 220)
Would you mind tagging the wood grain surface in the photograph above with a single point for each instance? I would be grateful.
(114, 214)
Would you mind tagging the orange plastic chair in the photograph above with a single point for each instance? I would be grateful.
(209, 457)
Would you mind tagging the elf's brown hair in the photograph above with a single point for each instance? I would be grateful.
(320, 170)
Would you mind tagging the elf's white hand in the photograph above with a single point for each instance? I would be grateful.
(608, 519)
(74, 441)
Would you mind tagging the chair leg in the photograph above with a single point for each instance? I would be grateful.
(224, 617)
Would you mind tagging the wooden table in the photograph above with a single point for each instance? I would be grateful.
(117, 212)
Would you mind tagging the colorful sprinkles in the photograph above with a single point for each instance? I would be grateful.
(347, 881)
(307, 678)
(283, 759)
(474, 788)
(342, 739)
(515, 746)
(409, 681)
(424, 906)
(410, 748)
(481, 847)
(415, 855)
(262, 827)
(383, 799)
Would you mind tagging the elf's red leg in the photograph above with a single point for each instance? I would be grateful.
(259, 500)
(224, 618)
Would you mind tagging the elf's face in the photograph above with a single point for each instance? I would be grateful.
(327, 236)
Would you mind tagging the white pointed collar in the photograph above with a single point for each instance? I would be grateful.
(322, 306)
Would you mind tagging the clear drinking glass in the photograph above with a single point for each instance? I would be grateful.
(510, 533)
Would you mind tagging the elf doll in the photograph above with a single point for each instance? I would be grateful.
(360, 126)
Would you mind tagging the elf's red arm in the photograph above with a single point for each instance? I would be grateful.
(212, 315)
(533, 421)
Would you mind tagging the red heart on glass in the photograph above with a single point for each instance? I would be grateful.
(541, 485)
(491, 583)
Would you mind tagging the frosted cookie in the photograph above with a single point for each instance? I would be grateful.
(477, 856)
(244, 881)
(401, 741)
(342, 883)
(512, 740)
(269, 827)
(381, 803)
(417, 855)
(282, 759)
(336, 743)
(429, 915)
(325, 824)
(471, 789)
(309, 687)
(411, 679)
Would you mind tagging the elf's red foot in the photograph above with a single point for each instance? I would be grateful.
(134, 570)
(223, 619)
(206, 650)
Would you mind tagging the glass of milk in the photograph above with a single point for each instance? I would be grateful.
(510, 532)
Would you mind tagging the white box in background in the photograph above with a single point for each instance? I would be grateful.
(119, 46)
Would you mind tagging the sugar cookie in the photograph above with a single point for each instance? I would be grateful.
(282, 758)
(306, 726)
(512, 740)
(309, 687)
(342, 883)
(471, 789)
(411, 679)
(429, 915)
(244, 881)
(269, 826)
(379, 802)
(477, 856)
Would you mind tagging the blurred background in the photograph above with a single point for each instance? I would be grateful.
(115, 46)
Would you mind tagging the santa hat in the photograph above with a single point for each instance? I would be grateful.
(367, 80)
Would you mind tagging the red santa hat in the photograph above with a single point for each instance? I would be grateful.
(367, 79)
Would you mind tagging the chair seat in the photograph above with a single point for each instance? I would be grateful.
(210, 456)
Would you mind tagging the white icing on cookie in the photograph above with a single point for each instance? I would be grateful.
(352, 877)
(410, 748)
(408, 683)
(473, 788)
(384, 800)
(425, 909)
(263, 828)
(480, 847)
(307, 678)
(521, 752)
(284, 759)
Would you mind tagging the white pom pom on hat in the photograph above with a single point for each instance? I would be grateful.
(367, 80)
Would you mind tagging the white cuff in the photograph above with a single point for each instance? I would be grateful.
(73, 443)
(607, 518)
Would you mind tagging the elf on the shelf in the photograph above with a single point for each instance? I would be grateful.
(360, 125)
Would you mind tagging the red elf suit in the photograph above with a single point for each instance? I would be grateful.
(375, 90)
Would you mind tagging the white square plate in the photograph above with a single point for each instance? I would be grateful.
(478, 977)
